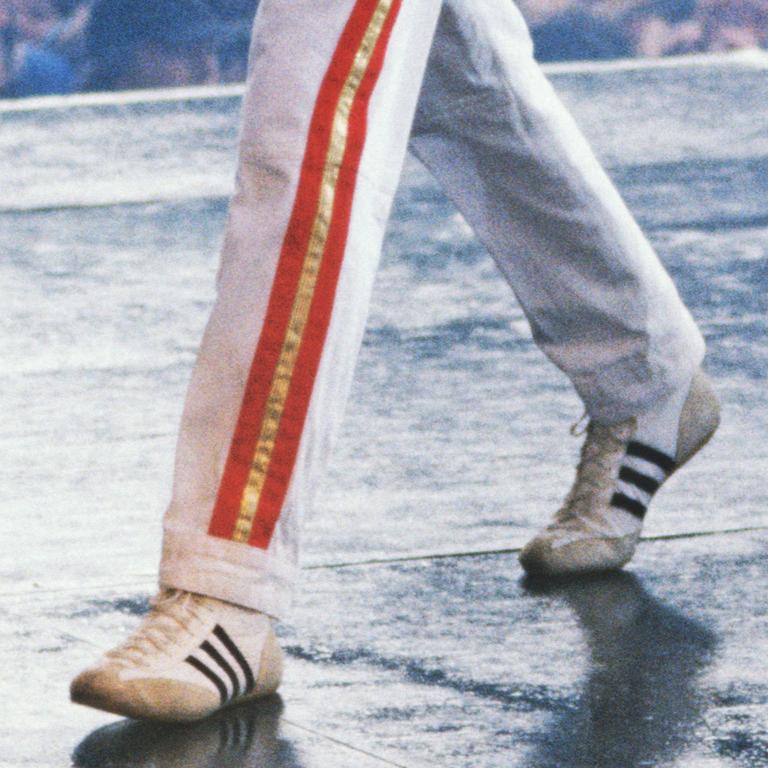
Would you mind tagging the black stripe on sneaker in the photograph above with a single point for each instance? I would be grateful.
(211, 675)
(229, 644)
(645, 452)
(634, 507)
(638, 479)
(225, 665)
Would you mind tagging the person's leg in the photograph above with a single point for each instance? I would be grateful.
(321, 152)
(601, 306)
(332, 90)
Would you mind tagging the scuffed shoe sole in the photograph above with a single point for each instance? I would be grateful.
(541, 558)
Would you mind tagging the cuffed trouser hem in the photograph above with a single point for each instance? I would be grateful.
(217, 568)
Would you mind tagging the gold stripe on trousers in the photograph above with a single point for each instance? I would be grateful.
(281, 380)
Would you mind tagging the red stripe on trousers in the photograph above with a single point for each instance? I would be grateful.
(285, 285)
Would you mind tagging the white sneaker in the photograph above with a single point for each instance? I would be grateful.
(621, 468)
(190, 656)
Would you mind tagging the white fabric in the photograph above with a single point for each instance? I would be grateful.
(494, 134)
(491, 129)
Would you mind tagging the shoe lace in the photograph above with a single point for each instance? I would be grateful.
(602, 448)
(173, 612)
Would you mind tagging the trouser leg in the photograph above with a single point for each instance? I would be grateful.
(331, 93)
(494, 134)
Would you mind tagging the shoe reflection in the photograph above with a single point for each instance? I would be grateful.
(640, 705)
(246, 735)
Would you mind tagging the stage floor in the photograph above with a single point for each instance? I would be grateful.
(415, 640)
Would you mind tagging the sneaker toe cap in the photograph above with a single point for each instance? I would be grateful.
(142, 698)
(547, 556)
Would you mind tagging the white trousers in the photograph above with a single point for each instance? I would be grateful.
(333, 97)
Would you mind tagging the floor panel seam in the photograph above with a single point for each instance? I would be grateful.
(517, 550)
(147, 579)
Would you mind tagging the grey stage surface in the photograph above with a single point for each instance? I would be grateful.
(454, 451)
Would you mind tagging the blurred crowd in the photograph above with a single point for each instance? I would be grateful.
(62, 46)
(601, 29)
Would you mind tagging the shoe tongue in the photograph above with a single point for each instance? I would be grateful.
(618, 429)
(164, 595)
(169, 596)
(182, 605)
